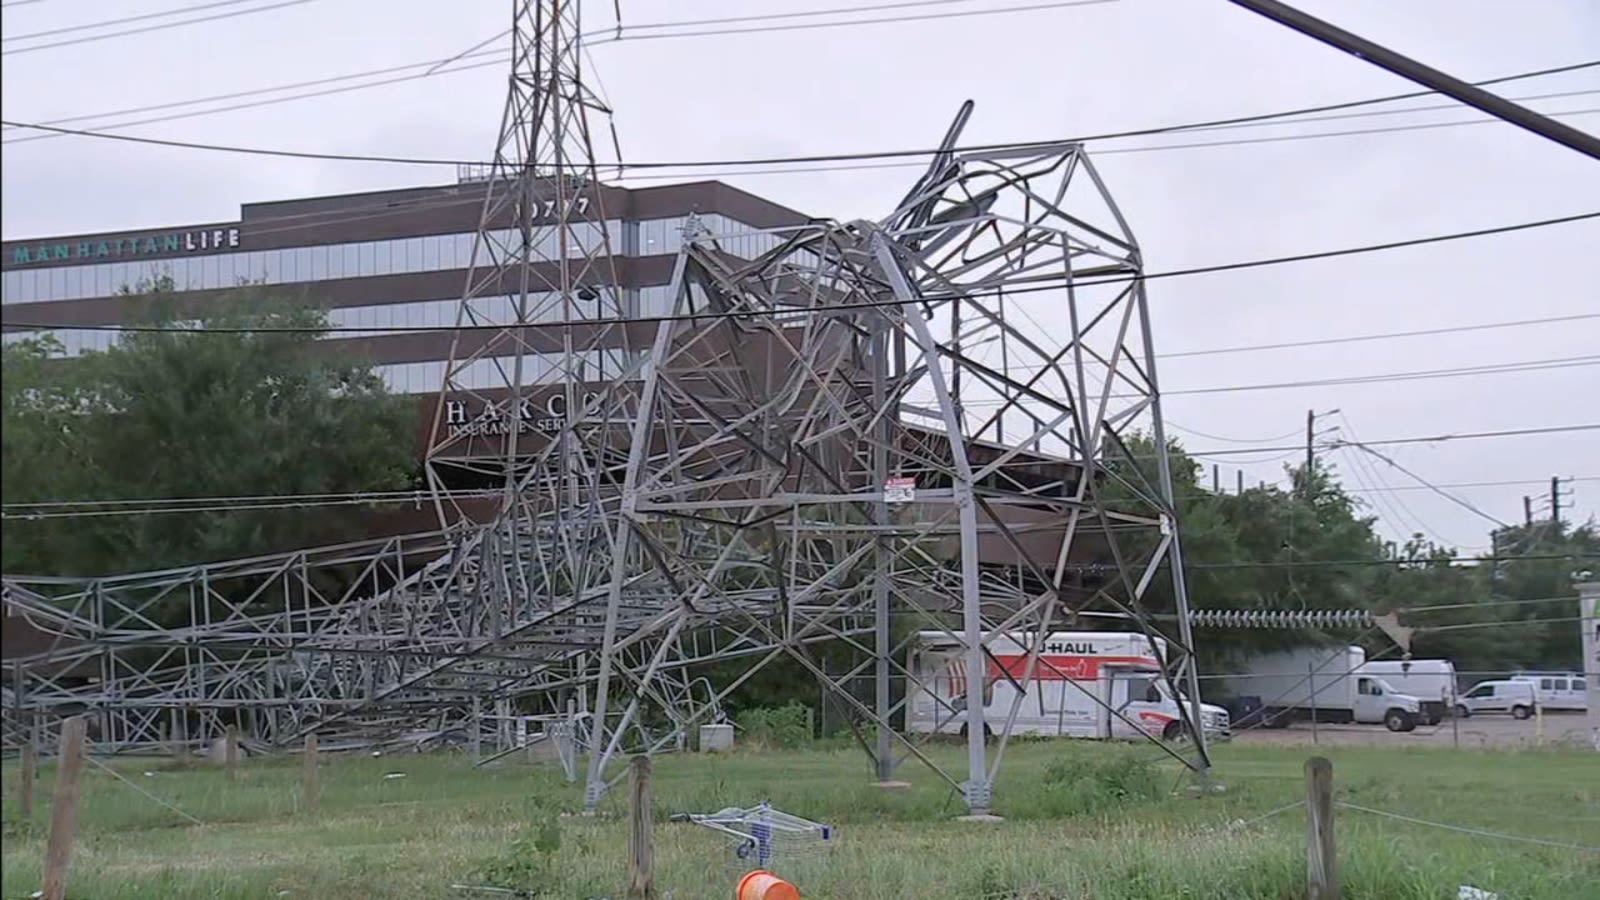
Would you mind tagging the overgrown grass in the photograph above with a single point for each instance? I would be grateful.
(1082, 821)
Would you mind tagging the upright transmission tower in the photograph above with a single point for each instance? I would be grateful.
(541, 303)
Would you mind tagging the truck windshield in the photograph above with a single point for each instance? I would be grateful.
(1387, 687)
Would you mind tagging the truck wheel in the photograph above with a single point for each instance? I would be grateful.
(1520, 712)
(1462, 712)
(1175, 732)
(1398, 720)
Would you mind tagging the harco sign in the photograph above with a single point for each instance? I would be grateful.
(202, 241)
(549, 416)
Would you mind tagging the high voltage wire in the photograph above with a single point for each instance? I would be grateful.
(1388, 335)
(220, 503)
(1434, 439)
(64, 508)
(107, 23)
(843, 307)
(781, 160)
(435, 67)
(1384, 378)
(1390, 377)
(500, 57)
(773, 17)
(158, 27)
(610, 38)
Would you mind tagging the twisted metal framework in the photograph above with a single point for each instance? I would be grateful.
(872, 429)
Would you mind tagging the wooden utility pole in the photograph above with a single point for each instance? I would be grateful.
(230, 751)
(1555, 500)
(64, 810)
(1322, 861)
(641, 822)
(311, 784)
(1311, 456)
(1527, 511)
(25, 788)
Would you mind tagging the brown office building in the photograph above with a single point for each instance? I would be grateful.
(383, 264)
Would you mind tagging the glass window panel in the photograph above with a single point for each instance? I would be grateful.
(366, 259)
(430, 252)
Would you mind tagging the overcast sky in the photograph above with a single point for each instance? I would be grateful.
(1034, 74)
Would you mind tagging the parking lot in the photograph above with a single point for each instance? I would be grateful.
(1477, 732)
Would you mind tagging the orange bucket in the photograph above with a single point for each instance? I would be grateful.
(763, 885)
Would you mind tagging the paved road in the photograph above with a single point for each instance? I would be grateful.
(1476, 732)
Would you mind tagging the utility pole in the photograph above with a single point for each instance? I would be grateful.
(1311, 454)
(1311, 458)
(1555, 499)
(1527, 511)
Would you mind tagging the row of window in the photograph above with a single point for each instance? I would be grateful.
(653, 237)
(396, 318)
(498, 372)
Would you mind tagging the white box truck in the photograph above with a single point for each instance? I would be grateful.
(1433, 681)
(1295, 685)
(1087, 684)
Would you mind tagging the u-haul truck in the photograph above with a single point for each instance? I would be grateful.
(1080, 678)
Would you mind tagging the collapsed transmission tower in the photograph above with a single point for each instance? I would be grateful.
(943, 425)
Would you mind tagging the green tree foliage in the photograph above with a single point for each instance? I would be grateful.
(232, 413)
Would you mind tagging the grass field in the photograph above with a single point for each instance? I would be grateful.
(1082, 821)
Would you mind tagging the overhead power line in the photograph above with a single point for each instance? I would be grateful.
(439, 67)
(1384, 336)
(781, 160)
(107, 23)
(1570, 362)
(1431, 439)
(599, 38)
(843, 307)
(497, 57)
(1391, 377)
(158, 27)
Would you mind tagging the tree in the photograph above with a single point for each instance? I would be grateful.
(255, 406)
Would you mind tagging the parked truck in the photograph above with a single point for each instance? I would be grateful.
(1433, 681)
(1087, 684)
(1276, 689)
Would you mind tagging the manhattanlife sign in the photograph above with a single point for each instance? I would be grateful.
(203, 241)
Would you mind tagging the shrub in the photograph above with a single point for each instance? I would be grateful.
(1084, 783)
(788, 725)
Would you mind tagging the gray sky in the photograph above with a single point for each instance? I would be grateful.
(1038, 74)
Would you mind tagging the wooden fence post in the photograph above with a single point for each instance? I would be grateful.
(312, 786)
(230, 751)
(1322, 861)
(641, 853)
(27, 775)
(64, 810)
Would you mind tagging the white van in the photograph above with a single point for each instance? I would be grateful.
(1432, 681)
(1514, 697)
(1558, 690)
(1089, 684)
